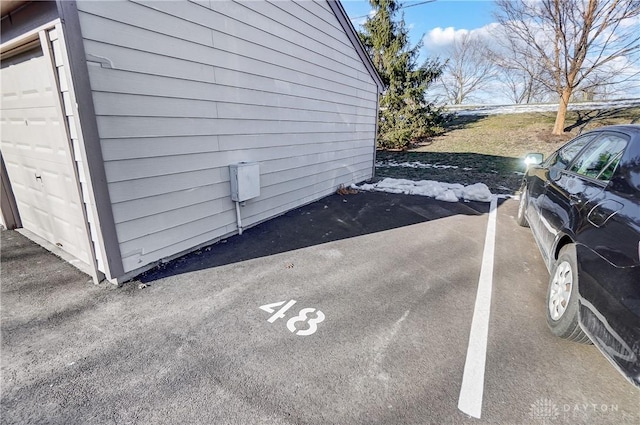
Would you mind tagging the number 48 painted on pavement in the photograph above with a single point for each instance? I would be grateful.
(301, 317)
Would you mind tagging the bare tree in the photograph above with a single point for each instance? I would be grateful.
(592, 88)
(467, 68)
(606, 83)
(572, 39)
(519, 87)
(518, 69)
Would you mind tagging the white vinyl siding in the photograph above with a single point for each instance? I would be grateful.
(182, 90)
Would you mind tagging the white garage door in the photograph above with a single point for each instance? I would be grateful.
(36, 153)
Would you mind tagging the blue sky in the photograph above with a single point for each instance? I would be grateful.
(423, 19)
(440, 22)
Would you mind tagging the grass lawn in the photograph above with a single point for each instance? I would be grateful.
(489, 149)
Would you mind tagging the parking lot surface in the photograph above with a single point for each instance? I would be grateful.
(352, 310)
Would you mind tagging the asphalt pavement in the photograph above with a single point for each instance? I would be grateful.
(352, 310)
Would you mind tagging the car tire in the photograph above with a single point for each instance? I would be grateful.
(562, 297)
(521, 217)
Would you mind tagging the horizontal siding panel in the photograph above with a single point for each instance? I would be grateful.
(124, 149)
(253, 141)
(247, 73)
(145, 187)
(285, 28)
(324, 5)
(230, 51)
(313, 170)
(301, 23)
(135, 14)
(270, 194)
(304, 31)
(142, 105)
(228, 21)
(152, 205)
(301, 9)
(128, 104)
(325, 15)
(149, 167)
(172, 237)
(134, 262)
(111, 127)
(159, 223)
(129, 127)
(183, 231)
(257, 112)
(112, 104)
(117, 81)
(283, 85)
(144, 202)
(127, 59)
(151, 106)
(196, 62)
(283, 164)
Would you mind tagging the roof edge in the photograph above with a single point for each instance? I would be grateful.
(352, 34)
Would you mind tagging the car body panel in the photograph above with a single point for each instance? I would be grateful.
(609, 310)
(569, 202)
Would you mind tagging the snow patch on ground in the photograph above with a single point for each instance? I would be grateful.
(448, 192)
(518, 109)
(416, 164)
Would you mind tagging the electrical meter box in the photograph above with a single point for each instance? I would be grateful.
(245, 181)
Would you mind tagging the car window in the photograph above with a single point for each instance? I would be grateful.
(600, 158)
(607, 172)
(568, 152)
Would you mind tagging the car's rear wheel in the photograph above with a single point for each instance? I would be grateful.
(562, 297)
(521, 218)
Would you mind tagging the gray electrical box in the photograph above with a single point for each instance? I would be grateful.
(245, 181)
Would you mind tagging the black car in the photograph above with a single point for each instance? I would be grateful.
(583, 207)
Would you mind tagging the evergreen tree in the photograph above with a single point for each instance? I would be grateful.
(404, 115)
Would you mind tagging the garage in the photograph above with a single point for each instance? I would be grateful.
(36, 152)
(122, 121)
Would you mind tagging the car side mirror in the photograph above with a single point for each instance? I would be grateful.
(533, 159)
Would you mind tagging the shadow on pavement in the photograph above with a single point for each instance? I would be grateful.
(329, 219)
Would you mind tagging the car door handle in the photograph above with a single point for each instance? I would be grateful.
(575, 199)
(601, 213)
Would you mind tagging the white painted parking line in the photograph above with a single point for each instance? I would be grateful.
(470, 401)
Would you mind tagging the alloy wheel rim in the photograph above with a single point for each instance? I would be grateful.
(560, 290)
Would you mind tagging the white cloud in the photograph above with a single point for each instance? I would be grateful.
(438, 39)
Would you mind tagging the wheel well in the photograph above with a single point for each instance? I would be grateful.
(565, 240)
